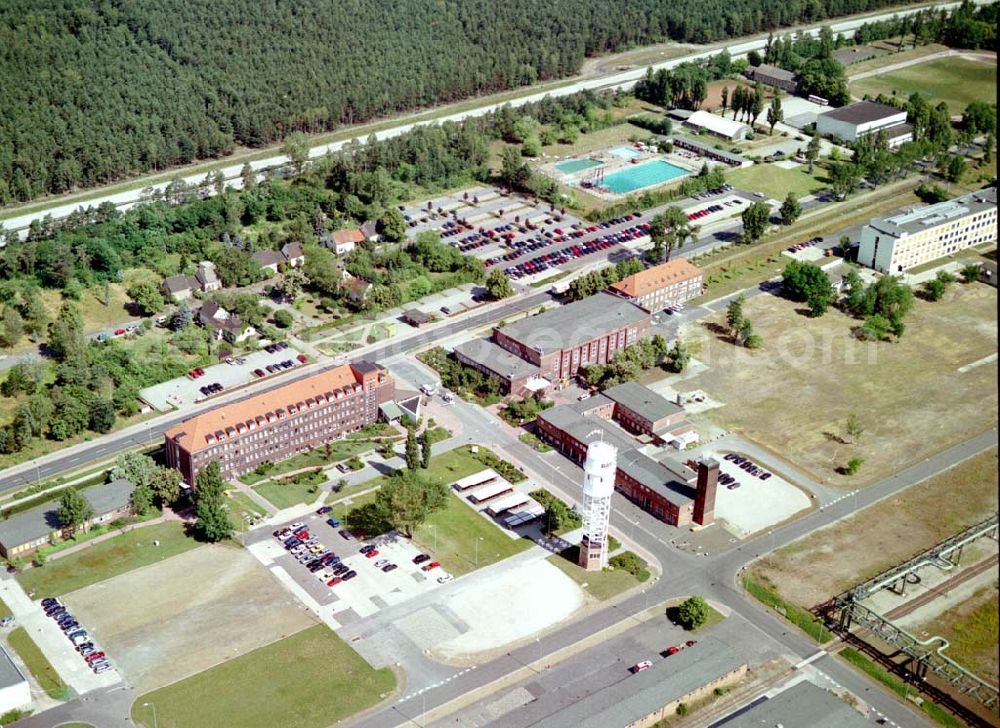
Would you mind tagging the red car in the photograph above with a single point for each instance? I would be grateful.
(93, 656)
(119, 332)
(302, 536)
(430, 566)
(334, 581)
(302, 358)
(672, 651)
(691, 643)
(371, 554)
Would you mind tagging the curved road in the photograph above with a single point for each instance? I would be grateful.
(623, 80)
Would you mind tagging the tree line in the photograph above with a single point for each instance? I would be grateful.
(106, 91)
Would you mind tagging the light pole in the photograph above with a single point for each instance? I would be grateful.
(153, 706)
(477, 548)
(38, 473)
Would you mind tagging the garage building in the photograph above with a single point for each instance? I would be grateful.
(718, 126)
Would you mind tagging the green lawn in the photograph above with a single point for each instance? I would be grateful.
(776, 182)
(310, 678)
(321, 456)
(714, 617)
(956, 81)
(240, 503)
(4, 609)
(600, 584)
(451, 534)
(106, 559)
(283, 494)
(38, 665)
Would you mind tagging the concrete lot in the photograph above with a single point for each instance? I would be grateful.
(183, 615)
(756, 504)
(182, 392)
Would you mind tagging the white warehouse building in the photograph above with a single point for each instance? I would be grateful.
(15, 692)
(895, 244)
(850, 123)
(720, 126)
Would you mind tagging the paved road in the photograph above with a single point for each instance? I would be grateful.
(714, 577)
(623, 80)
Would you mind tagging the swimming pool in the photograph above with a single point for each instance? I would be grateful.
(626, 152)
(577, 165)
(642, 175)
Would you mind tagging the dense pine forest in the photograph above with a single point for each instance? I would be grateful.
(92, 92)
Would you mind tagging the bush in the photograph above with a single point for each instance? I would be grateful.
(632, 563)
(693, 613)
(283, 319)
(508, 471)
(682, 709)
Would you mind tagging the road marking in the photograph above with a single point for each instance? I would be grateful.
(978, 363)
(810, 660)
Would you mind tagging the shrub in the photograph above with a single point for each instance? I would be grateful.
(693, 613)
(632, 563)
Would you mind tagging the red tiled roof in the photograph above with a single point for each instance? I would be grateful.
(657, 277)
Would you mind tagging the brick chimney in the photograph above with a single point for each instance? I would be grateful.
(704, 499)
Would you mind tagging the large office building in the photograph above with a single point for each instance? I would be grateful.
(280, 423)
(535, 352)
(850, 123)
(895, 244)
(675, 281)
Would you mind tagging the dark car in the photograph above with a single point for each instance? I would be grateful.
(345, 534)
(349, 575)
(84, 647)
(50, 602)
(332, 520)
(388, 567)
(421, 558)
(341, 569)
(323, 509)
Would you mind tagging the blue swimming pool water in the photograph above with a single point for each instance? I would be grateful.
(577, 165)
(642, 175)
(626, 152)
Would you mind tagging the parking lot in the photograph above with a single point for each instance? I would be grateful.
(184, 391)
(756, 503)
(361, 595)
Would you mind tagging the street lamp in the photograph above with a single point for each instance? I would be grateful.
(153, 706)
(477, 548)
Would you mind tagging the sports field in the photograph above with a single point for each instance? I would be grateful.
(956, 81)
(776, 182)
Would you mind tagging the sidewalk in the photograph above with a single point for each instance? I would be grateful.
(52, 642)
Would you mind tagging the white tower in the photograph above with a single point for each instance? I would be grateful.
(598, 486)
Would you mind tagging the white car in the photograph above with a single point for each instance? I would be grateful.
(380, 563)
(445, 578)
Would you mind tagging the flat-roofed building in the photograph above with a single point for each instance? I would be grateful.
(803, 705)
(15, 691)
(850, 123)
(898, 243)
(774, 76)
(280, 423)
(562, 340)
(717, 125)
(490, 359)
(653, 695)
(642, 411)
(675, 281)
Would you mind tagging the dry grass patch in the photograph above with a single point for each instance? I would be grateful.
(971, 629)
(795, 394)
(833, 559)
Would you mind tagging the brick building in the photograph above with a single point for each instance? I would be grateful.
(663, 487)
(563, 339)
(280, 423)
(675, 281)
(774, 76)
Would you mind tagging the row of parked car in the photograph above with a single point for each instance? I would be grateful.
(747, 464)
(801, 246)
(561, 257)
(646, 664)
(208, 389)
(276, 347)
(311, 553)
(91, 653)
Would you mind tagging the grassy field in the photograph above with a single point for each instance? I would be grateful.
(283, 494)
(451, 536)
(310, 678)
(4, 609)
(831, 560)
(599, 584)
(240, 503)
(956, 81)
(106, 559)
(794, 395)
(37, 664)
(971, 628)
(776, 182)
